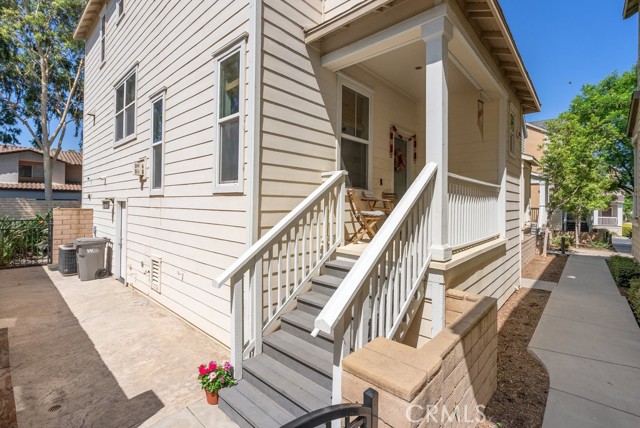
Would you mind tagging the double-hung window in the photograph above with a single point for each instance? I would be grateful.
(229, 122)
(355, 138)
(125, 120)
(157, 144)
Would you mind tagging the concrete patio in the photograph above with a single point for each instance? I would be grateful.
(100, 354)
(589, 342)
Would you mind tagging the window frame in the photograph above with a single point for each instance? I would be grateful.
(361, 89)
(125, 138)
(103, 36)
(31, 178)
(219, 57)
(512, 143)
(159, 191)
(120, 5)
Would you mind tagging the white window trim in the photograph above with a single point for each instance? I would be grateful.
(120, 15)
(237, 187)
(103, 35)
(344, 80)
(159, 191)
(133, 136)
(514, 112)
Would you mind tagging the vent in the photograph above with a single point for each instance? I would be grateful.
(155, 273)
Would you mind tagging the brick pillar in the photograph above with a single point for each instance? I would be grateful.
(70, 224)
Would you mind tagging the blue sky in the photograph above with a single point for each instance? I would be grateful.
(560, 41)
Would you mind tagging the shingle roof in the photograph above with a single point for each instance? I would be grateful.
(40, 186)
(540, 123)
(71, 158)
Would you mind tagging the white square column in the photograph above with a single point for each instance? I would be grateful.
(437, 34)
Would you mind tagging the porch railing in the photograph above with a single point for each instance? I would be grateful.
(381, 293)
(266, 279)
(473, 211)
(535, 213)
(606, 221)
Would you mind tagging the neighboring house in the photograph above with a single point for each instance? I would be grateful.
(214, 122)
(22, 174)
(633, 131)
(611, 218)
(535, 140)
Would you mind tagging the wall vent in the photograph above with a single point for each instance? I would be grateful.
(155, 273)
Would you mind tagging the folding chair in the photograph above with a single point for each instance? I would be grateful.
(368, 220)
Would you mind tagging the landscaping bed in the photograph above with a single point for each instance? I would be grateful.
(545, 268)
(626, 274)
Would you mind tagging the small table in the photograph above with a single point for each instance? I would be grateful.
(386, 207)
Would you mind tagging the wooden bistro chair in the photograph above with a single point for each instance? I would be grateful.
(391, 197)
(368, 220)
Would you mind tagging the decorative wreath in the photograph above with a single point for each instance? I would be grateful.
(399, 160)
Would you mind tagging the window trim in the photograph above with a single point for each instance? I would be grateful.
(32, 178)
(134, 135)
(512, 150)
(160, 190)
(354, 85)
(118, 12)
(103, 36)
(237, 187)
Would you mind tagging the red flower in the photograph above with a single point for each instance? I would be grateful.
(212, 366)
(202, 369)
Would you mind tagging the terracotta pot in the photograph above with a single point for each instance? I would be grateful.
(212, 398)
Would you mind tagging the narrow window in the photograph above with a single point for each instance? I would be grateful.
(103, 38)
(512, 133)
(157, 145)
(355, 139)
(229, 127)
(125, 120)
(120, 7)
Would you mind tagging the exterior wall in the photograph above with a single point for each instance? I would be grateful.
(535, 195)
(528, 249)
(70, 224)
(534, 142)
(38, 195)
(9, 167)
(73, 174)
(195, 232)
(332, 8)
(20, 208)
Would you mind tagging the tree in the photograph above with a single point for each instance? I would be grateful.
(578, 181)
(41, 73)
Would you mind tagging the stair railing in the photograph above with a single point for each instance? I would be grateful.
(382, 292)
(266, 279)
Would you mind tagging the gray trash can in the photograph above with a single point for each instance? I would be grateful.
(90, 254)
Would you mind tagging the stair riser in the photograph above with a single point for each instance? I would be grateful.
(323, 288)
(305, 335)
(337, 272)
(275, 395)
(298, 366)
(235, 416)
(308, 308)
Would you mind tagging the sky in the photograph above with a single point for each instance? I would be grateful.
(563, 43)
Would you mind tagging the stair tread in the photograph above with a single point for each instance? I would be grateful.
(340, 264)
(304, 352)
(254, 406)
(288, 382)
(314, 298)
(330, 280)
(304, 320)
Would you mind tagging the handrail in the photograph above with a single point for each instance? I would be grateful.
(277, 231)
(343, 297)
(473, 180)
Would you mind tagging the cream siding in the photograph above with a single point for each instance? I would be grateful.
(195, 233)
(333, 8)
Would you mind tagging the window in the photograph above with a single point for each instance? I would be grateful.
(354, 135)
(157, 145)
(103, 38)
(120, 8)
(30, 172)
(512, 133)
(229, 123)
(125, 120)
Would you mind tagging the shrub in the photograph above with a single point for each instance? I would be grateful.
(556, 241)
(626, 230)
(623, 269)
(634, 297)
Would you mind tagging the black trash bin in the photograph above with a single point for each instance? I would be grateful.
(90, 254)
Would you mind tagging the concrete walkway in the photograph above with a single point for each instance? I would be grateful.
(589, 342)
(98, 354)
(622, 245)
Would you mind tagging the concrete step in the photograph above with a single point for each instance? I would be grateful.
(249, 407)
(312, 302)
(326, 284)
(310, 361)
(300, 324)
(338, 268)
(288, 388)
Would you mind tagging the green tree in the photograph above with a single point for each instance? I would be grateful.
(41, 73)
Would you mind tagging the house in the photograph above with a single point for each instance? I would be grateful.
(633, 131)
(536, 138)
(222, 132)
(22, 174)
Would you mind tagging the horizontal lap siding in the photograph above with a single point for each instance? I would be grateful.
(196, 234)
(332, 8)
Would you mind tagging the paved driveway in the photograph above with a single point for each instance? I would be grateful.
(97, 354)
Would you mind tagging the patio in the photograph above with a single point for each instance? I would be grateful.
(99, 354)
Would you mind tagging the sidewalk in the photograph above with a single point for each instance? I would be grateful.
(589, 342)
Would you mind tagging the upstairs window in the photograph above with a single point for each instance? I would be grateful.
(103, 38)
(157, 145)
(120, 8)
(30, 172)
(125, 120)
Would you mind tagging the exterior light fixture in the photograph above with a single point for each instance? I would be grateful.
(106, 203)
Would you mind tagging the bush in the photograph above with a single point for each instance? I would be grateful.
(634, 297)
(626, 230)
(556, 241)
(623, 270)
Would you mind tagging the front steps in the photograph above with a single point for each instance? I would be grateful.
(293, 375)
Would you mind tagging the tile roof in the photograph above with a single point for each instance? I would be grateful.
(40, 186)
(68, 157)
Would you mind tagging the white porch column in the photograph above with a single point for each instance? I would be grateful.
(620, 213)
(436, 35)
(596, 213)
(503, 118)
(542, 212)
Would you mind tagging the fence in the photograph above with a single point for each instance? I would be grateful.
(25, 242)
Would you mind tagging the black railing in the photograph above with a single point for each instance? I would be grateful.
(25, 242)
(363, 415)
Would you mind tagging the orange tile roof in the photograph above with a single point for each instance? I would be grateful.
(40, 186)
(68, 157)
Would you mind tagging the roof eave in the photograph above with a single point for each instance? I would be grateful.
(633, 113)
(630, 8)
(88, 19)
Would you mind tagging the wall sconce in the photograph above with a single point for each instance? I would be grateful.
(106, 203)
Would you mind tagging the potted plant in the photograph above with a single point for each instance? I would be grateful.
(213, 377)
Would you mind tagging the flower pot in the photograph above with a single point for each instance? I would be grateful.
(212, 397)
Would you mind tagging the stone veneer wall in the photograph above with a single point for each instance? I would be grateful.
(70, 224)
(455, 369)
(19, 208)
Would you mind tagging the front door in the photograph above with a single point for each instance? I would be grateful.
(122, 241)
(400, 167)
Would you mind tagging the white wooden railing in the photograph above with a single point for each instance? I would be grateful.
(381, 293)
(473, 211)
(606, 221)
(266, 279)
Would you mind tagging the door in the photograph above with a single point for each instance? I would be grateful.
(122, 241)
(400, 167)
